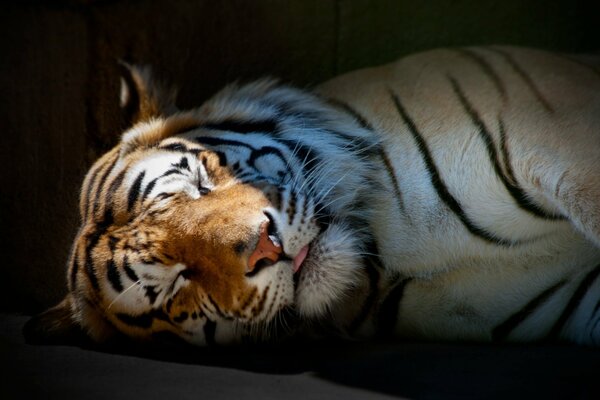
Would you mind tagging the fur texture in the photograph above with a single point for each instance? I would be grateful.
(452, 195)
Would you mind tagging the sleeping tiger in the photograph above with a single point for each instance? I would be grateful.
(451, 195)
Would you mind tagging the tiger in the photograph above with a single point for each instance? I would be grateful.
(452, 195)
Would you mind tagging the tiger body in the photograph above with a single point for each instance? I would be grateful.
(473, 161)
(451, 195)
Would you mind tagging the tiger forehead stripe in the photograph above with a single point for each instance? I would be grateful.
(304, 153)
(150, 134)
(134, 191)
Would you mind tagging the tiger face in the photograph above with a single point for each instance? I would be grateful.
(191, 244)
(211, 230)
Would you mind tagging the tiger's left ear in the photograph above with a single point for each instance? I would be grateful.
(142, 96)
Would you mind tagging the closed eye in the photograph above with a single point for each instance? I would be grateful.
(203, 190)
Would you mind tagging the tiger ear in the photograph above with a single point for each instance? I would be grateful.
(54, 326)
(142, 96)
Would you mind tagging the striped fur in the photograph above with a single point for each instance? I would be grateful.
(452, 195)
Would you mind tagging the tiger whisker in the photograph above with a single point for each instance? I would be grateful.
(122, 293)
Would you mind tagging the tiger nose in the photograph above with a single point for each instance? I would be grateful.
(267, 251)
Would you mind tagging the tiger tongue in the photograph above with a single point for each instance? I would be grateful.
(299, 259)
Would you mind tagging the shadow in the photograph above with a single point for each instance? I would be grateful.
(405, 369)
(420, 370)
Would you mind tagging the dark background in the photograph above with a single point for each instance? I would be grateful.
(59, 83)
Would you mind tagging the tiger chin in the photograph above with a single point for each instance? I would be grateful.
(451, 195)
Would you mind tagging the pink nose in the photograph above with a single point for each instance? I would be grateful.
(265, 250)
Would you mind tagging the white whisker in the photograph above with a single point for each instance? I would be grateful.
(122, 293)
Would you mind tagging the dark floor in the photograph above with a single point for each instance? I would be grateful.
(319, 371)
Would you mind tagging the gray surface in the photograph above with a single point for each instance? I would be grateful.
(375, 370)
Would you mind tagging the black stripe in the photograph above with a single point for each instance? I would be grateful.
(129, 271)
(574, 302)
(261, 301)
(178, 147)
(115, 184)
(525, 77)
(171, 172)
(134, 191)
(362, 121)
(148, 189)
(591, 323)
(222, 159)
(210, 328)
(113, 276)
(182, 164)
(438, 183)
(216, 306)
(249, 299)
(363, 145)
(380, 151)
(181, 317)
(265, 151)
(517, 193)
(232, 125)
(151, 294)
(486, 68)
(92, 240)
(215, 141)
(501, 332)
(303, 153)
(367, 305)
(272, 304)
(583, 64)
(143, 320)
(88, 192)
(101, 226)
(74, 269)
(92, 181)
(354, 143)
(392, 175)
(388, 311)
(100, 185)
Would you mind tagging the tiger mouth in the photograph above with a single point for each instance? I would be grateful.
(298, 261)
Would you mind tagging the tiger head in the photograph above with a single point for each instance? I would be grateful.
(212, 223)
